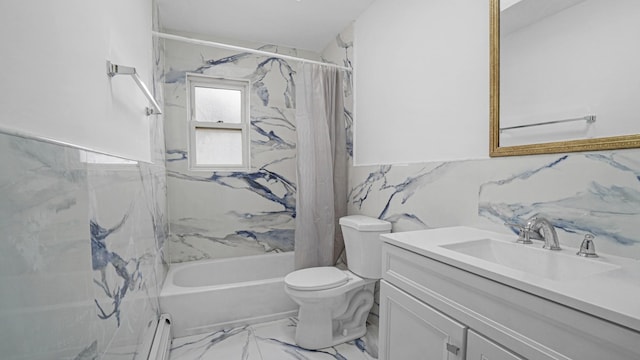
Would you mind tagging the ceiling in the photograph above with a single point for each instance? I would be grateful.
(518, 14)
(301, 24)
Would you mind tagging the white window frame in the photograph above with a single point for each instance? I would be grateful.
(198, 80)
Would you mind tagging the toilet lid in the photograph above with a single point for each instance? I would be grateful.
(317, 278)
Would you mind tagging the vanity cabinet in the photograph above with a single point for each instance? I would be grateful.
(429, 309)
(414, 330)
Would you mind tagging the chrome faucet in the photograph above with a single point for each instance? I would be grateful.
(539, 228)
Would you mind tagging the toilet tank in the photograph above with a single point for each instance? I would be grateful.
(363, 244)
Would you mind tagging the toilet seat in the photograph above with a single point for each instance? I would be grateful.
(317, 278)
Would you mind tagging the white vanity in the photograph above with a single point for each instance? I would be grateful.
(464, 293)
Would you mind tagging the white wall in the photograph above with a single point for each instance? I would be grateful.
(582, 60)
(421, 81)
(53, 81)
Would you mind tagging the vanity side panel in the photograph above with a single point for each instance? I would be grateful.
(531, 326)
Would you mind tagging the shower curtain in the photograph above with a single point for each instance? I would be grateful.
(321, 166)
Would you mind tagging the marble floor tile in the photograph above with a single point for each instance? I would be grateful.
(238, 343)
(267, 341)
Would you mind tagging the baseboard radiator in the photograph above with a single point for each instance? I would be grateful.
(161, 344)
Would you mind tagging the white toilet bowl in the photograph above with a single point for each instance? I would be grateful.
(333, 308)
(334, 303)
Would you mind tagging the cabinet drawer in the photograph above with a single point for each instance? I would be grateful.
(481, 348)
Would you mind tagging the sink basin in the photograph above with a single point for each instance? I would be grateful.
(553, 265)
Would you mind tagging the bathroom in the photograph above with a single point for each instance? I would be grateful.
(96, 204)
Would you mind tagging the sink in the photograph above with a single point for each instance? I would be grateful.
(554, 265)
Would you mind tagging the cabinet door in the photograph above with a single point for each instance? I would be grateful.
(481, 348)
(412, 330)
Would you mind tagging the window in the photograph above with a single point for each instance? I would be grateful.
(218, 123)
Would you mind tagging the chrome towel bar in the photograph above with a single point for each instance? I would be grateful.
(588, 118)
(113, 70)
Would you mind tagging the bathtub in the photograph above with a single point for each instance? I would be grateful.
(208, 295)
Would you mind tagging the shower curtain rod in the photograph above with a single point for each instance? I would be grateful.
(243, 49)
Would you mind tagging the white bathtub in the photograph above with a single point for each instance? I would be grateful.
(208, 295)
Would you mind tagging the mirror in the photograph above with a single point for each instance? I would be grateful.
(548, 94)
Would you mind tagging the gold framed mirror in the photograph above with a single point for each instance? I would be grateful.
(496, 149)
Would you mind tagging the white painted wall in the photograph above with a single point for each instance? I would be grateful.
(421, 81)
(53, 81)
(582, 60)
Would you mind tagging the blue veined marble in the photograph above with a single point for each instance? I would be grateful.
(255, 182)
(614, 206)
(300, 353)
(257, 78)
(101, 259)
(611, 160)
(280, 239)
(179, 76)
(276, 240)
(234, 228)
(405, 190)
(281, 160)
(250, 232)
(258, 125)
(206, 342)
(49, 197)
(346, 62)
(266, 341)
(345, 47)
(277, 121)
(360, 192)
(272, 131)
(527, 174)
(88, 353)
(176, 155)
(408, 187)
(273, 141)
(287, 73)
(603, 199)
(348, 119)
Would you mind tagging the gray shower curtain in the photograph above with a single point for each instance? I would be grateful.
(321, 166)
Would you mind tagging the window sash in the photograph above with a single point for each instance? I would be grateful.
(197, 80)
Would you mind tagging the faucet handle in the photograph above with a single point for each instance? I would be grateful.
(587, 248)
(522, 239)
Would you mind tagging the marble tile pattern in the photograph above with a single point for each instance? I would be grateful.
(267, 341)
(219, 214)
(80, 261)
(580, 193)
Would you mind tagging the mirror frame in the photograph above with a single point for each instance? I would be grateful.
(495, 150)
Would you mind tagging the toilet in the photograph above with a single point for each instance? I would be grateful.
(334, 304)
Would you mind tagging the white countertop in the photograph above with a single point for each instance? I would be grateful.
(612, 295)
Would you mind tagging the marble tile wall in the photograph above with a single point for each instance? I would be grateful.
(229, 214)
(80, 261)
(597, 193)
